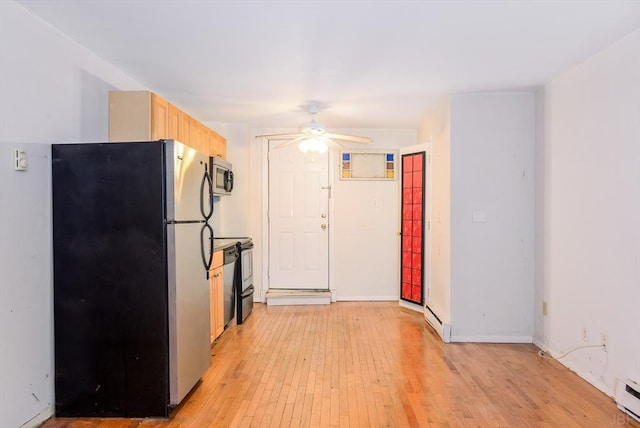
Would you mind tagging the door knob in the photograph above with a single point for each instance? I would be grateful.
(323, 226)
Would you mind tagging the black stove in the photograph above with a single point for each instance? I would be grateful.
(243, 277)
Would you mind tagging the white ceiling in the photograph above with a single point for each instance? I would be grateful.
(369, 64)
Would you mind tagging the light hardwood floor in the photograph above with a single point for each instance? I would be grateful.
(370, 364)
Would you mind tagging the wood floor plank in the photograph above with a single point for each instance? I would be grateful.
(373, 364)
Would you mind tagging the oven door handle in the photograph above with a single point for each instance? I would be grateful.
(247, 291)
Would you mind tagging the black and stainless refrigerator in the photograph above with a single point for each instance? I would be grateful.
(132, 250)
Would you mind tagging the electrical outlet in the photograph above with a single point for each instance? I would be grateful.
(585, 335)
(545, 308)
(604, 343)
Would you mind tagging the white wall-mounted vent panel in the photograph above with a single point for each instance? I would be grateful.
(443, 330)
(628, 398)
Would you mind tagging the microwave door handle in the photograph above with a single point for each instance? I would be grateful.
(228, 181)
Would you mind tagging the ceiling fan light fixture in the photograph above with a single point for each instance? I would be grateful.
(314, 145)
(312, 127)
(313, 137)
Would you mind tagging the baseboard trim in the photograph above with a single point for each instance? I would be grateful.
(367, 298)
(493, 339)
(442, 329)
(588, 377)
(298, 301)
(40, 418)
(281, 297)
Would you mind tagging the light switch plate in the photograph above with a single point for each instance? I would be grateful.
(20, 160)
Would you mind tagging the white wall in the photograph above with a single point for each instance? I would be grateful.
(492, 176)
(231, 213)
(540, 185)
(52, 91)
(482, 273)
(364, 239)
(365, 226)
(26, 341)
(437, 130)
(590, 202)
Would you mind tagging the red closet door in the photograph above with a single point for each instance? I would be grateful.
(411, 277)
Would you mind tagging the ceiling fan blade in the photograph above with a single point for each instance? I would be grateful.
(350, 138)
(332, 143)
(290, 142)
(280, 136)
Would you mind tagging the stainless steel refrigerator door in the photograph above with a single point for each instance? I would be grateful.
(189, 316)
(185, 171)
(189, 320)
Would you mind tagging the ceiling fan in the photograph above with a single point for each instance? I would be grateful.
(314, 138)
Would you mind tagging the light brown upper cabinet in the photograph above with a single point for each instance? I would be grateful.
(145, 116)
(197, 134)
(174, 122)
(187, 133)
(159, 115)
(217, 145)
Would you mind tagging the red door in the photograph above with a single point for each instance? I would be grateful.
(413, 197)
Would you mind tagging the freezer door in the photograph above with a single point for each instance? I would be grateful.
(189, 188)
(189, 325)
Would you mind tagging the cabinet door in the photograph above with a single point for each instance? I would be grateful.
(174, 122)
(216, 289)
(196, 136)
(209, 141)
(159, 113)
(218, 145)
(217, 309)
(185, 129)
(222, 147)
(219, 302)
(212, 303)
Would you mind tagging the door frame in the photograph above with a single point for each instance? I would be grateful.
(264, 209)
(426, 260)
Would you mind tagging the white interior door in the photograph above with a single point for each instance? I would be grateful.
(298, 219)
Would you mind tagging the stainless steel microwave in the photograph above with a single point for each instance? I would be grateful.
(221, 176)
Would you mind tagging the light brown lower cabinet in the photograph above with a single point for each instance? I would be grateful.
(216, 284)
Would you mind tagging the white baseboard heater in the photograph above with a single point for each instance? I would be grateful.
(443, 330)
(628, 398)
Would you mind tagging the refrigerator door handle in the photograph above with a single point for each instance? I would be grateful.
(207, 256)
(206, 179)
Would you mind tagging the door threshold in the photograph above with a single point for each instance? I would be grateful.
(290, 297)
